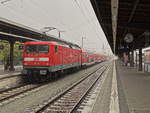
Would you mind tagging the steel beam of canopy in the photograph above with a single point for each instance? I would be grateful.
(114, 12)
(17, 25)
(17, 36)
(33, 34)
(131, 14)
(137, 26)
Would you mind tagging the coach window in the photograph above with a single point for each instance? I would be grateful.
(56, 48)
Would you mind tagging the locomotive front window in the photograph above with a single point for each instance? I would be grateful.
(43, 48)
(37, 48)
(31, 48)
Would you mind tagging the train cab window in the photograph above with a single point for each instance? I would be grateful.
(37, 48)
(43, 48)
(31, 48)
(56, 48)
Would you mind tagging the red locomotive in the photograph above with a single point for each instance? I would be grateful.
(43, 58)
(46, 59)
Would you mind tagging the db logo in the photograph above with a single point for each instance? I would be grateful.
(36, 59)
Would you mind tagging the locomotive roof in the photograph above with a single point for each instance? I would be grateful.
(53, 43)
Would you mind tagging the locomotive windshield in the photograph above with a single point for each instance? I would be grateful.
(37, 48)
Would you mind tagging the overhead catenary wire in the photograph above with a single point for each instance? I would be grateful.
(90, 18)
(4, 1)
(44, 11)
(31, 2)
(85, 16)
(18, 12)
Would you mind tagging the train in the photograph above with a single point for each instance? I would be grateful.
(44, 60)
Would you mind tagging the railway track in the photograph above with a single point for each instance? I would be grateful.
(68, 100)
(7, 76)
(14, 93)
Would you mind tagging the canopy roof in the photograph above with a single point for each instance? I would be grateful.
(130, 16)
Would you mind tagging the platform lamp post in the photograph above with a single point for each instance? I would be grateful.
(82, 41)
(59, 33)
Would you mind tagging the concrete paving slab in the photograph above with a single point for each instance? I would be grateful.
(136, 88)
(103, 101)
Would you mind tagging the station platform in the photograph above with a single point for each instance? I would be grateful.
(123, 89)
(136, 88)
(18, 69)
(132, 91)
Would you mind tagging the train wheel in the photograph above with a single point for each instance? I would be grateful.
(36, 77)
(49, 76)
(45, 78)
(55, 75)
(60, 73)
(30, 77)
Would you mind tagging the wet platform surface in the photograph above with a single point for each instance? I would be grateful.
(133, 88)
(136, 88)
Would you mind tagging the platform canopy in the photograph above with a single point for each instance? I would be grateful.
(121, 17)
(12, 31)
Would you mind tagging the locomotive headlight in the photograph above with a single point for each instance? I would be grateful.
(43, 59)
(25, 63)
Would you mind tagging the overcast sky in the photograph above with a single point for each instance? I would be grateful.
(75, 17)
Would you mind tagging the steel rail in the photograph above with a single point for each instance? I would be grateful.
(11, 76)
(84, 95)
(13, 93)
(52, 100)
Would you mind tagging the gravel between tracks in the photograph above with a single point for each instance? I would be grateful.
(36, 96)
(11, 82)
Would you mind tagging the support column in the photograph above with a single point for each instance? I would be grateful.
(132, 59)
(140, 59)
(136, 56)
(128, 58)
(11, 66)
